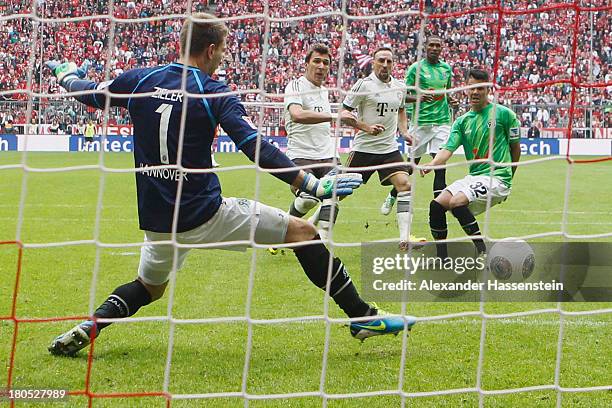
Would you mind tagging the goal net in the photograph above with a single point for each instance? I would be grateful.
(246, 328)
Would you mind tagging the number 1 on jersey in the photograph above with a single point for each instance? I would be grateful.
(165, 109)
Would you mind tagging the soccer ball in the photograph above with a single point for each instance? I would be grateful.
(511, 258)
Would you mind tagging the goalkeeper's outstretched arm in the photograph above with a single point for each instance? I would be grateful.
(72, 78)
(234, 119)
(93, 100)
(441, 158)
(515, 154)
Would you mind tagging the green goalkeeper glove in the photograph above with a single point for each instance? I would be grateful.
(67, 70)
(344, 184)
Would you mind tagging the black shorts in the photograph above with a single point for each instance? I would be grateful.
(361, 159)
(89, 139)
(318, 172)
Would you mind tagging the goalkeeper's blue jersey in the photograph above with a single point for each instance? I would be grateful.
(158, 137)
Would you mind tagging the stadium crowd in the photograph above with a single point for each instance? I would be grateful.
(535, 47)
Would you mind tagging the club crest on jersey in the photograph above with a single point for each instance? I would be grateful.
(491, 124)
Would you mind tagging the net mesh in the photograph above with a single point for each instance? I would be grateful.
(117, 20)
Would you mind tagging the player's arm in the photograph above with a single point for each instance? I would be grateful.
(71, 78)
(453, 102)
(294, 104)
(410, 80)
(424, 98)
(350, 104)
(234, 120)
(308, 117)
(515, 153)
(441, 158)
(446, 151)
(402, 124)
(514, 138)
(374, 129)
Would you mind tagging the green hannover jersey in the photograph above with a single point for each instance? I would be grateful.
(472, 131)
(436, 77)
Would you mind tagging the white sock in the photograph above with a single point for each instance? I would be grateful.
(315, 217)
(324, 230)
(404, 214)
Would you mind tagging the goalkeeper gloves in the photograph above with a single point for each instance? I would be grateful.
(344, 184)
(67, 70)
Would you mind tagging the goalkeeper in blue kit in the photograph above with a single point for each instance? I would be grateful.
(203, 214)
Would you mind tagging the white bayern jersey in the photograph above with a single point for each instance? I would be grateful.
(308, 141)
(379, 102)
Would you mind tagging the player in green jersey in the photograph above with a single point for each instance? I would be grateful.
(430, 125)
(468, 197)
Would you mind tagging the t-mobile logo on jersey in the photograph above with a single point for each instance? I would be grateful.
(383, 107)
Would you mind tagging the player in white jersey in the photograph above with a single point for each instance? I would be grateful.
(308, 120)
(379, 99)
(434, 114)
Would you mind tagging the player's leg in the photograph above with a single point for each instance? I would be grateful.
(303, 202)
(399, 178)
(213, 147)
(421, 137)
(439, 138)
(460, 210)
(387, 205)
(390, 200)
(464, 192)
(274, 226)
(315, 260)
(213, 161)
(437, 221)
(404, 213)
(155, 266)
(482, 192)
(328, 214)
(439, 183)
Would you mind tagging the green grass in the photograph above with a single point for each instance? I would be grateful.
(285, 358)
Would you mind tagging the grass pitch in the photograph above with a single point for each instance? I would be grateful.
(56, 281)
